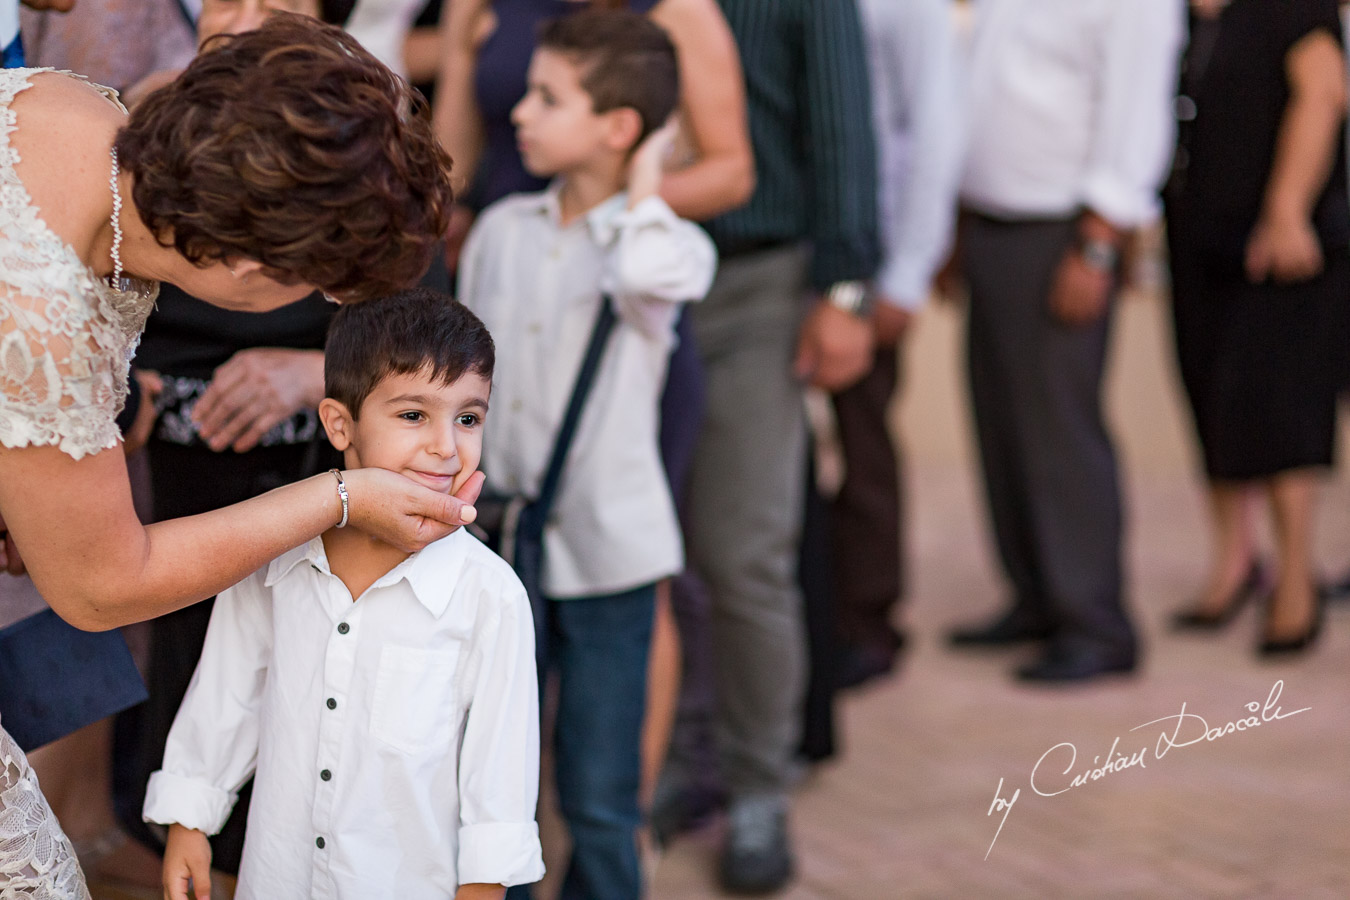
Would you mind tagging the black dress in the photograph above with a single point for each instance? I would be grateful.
(185, 341)
(1261, 363)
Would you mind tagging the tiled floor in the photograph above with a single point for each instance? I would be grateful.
(905, 812)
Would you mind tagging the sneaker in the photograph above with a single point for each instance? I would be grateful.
(756, 858)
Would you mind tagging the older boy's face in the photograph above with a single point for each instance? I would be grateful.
(238, 16)
(557, 128)
(422, 428)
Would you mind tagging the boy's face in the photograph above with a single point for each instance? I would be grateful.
(417, 426)
(557, 128)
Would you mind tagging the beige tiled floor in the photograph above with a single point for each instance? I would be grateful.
(904, 813)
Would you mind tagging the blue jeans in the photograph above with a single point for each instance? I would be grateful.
(599, 647)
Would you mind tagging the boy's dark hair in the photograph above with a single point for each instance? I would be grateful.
(627, 62)
(400, 334)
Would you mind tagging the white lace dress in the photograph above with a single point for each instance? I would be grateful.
(66, 339)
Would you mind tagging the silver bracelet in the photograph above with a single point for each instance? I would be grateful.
(342, 493)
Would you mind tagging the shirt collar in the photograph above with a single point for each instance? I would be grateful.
(431, 573)
(600, 220)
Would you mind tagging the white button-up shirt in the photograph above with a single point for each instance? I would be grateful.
(917, 99)
(537, 285)
(395, 739)
(1071, 106)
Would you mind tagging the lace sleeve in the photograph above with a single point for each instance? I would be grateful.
(66, 337)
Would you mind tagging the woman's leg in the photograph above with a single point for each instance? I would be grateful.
(76, 773)
(663, 693)
(1231, 506)
(1293, 500)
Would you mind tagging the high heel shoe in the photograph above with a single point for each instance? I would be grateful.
(1197, 619)
(1300, 642)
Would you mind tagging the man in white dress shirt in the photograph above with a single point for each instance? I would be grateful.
(918, 116)
(1071, 133)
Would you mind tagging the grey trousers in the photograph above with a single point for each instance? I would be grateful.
(744, 513)
(1049, 466)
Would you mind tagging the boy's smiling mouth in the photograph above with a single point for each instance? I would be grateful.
(437, 481)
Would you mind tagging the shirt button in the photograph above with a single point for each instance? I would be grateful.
(318, 842)
(332, 704)
(326, 775)
(343, 628)
(517, 406)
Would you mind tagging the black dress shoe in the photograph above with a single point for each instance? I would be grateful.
(1337, 590)
(1008, 629)
(1300, 642)
(1063, 664)
(1197, 619)
(859, 664)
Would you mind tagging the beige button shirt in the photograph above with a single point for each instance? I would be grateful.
(537, 285)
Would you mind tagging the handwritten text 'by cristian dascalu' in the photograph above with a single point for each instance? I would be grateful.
(1051, 777)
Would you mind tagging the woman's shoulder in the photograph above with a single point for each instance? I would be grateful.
(55, 144)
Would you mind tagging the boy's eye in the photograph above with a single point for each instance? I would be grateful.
(470, 420)
(411, 415)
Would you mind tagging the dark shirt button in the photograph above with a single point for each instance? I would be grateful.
(343, 628)
(326, 775)
(332, 704)
(318, 842)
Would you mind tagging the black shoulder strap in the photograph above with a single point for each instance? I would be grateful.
(581, 389)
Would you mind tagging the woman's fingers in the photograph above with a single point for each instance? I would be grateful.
(405, 514)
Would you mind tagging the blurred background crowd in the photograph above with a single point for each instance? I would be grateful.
(853, 161)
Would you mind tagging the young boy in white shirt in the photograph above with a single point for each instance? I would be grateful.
(601, 87)
(388, 702)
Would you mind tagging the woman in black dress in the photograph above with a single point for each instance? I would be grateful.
(1259, 232)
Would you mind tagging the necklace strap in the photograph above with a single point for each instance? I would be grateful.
(117, 280)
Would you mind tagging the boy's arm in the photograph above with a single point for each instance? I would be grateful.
(213, 745)
(499, 755)
(480, 892)
(656, 260)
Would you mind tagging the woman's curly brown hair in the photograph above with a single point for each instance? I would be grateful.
(293, 146)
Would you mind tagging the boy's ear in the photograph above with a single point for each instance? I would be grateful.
(625, 127)
(337, 422)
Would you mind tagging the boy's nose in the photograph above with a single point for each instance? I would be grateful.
(443, 445)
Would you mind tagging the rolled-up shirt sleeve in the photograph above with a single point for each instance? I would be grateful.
(1133, 141)
(920, 140)
(213, 746)
(655, 262)
(499, 756)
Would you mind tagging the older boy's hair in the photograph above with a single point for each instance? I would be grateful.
(410, 331)
(627, 62)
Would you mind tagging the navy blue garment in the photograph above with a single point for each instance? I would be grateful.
(499, 83)
(12, 56)
(56, 679)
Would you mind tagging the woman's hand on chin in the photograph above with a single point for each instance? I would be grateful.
(404, 514)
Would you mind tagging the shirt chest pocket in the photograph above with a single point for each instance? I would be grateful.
(413, 708)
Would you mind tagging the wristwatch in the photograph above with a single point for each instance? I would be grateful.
(1103, 256)
(851, 297)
